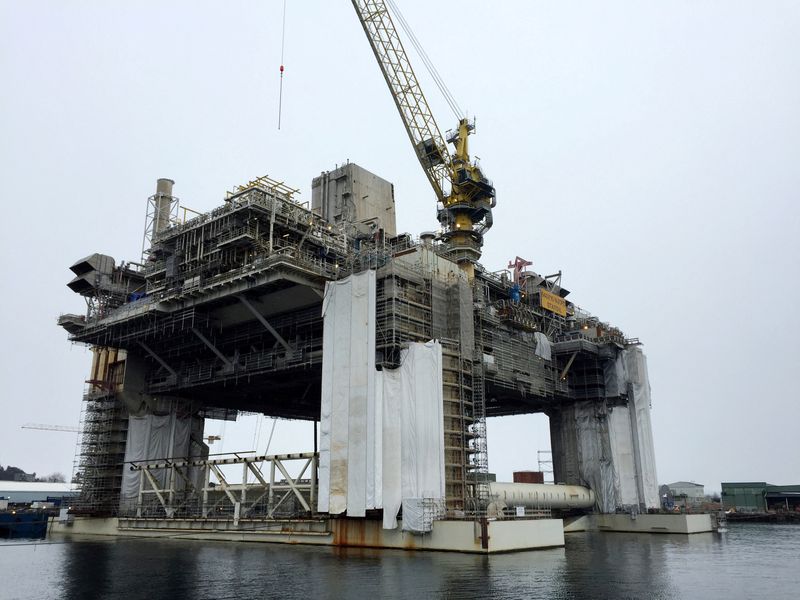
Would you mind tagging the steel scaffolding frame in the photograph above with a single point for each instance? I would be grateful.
(101, 452)
(168, 488)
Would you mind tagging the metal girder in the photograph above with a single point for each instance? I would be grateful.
(154, 485)
(261, 480)
(200, 462)
(213, 348)
(265, 323)
(246, 497)
(563, 375)
(292, 485)
(188, 482)
(158, 359)
(223, 484)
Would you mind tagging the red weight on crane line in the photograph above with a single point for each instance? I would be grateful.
(283, 45)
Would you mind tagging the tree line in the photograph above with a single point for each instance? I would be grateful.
(10, 473)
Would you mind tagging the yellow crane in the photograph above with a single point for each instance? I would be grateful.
(465, 196)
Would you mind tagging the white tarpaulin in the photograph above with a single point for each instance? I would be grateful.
(389, 387)
(594, 467)
(630, 479)
(422, 433)
(543, 348)
(642, 430)
(622, 456)
(412, 444)
(614, 377)
(151, 438)
(348, 388)
(381, 432)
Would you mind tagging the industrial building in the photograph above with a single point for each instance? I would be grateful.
(760, 497)
(35, 491)
(687, 493)
(398, 347)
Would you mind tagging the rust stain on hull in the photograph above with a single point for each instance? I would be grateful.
(363, 533)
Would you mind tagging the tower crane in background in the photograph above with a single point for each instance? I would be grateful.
(67, 428)
(210, 439)
(465, 196)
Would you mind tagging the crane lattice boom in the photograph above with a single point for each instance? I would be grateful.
(408, 96)
(68, 428)
(466, 196)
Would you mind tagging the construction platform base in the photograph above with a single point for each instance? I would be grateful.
(450, 536)
(642, 523)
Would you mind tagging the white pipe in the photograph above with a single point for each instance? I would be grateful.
(542, 495)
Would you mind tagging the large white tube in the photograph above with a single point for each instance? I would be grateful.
(542, 495)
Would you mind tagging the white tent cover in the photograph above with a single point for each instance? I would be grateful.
(381, 432)
(629, 478)
(151, 438)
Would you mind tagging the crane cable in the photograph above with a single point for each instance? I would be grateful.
(429, 66)
(283, 44)
(271, 431)
(257, 432)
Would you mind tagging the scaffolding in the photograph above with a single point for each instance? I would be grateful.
(545, 460)
(478, 443)
(101, 445)
(415, 303)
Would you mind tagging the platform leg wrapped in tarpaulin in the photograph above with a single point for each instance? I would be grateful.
(381, 432)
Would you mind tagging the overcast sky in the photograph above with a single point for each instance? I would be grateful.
(649, 150)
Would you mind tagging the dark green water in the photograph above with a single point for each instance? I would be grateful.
(749, 561)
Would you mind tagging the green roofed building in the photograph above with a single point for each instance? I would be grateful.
(760, 496)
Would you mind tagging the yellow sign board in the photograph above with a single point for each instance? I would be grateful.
(553, 303)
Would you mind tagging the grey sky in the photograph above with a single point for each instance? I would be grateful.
(649, 150)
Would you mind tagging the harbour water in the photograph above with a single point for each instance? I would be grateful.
(749, 561)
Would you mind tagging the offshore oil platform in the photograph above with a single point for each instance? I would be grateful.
(397, 347)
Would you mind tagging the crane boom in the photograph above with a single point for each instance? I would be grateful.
(407, 93)
(466, 197)
(68, 428)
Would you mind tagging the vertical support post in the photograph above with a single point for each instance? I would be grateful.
(170, 489)
(271, 224)
(484, 525)
(206, 481)
(139, 500)
(244, 482)
(271, 495)
(313, 480)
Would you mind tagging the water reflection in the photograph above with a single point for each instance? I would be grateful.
(124, 568)
(745, 563)
(617, 565)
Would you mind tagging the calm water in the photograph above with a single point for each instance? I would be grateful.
(750, 561)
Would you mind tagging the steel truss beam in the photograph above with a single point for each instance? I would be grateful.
(158, 359)
(213, 348)
(178, 497)
(265, 323)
